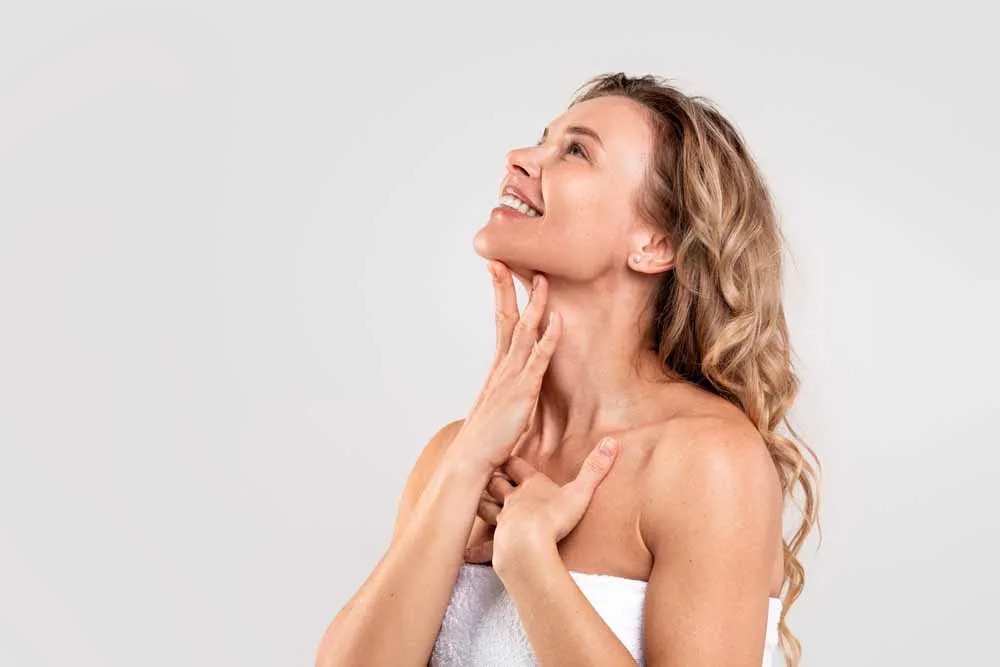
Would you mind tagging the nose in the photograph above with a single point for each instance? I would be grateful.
(524, 160)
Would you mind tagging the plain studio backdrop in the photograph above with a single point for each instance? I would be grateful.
(238, 294)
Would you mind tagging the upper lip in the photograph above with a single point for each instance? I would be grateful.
(510, 189)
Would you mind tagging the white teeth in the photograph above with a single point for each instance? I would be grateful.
(518, 205)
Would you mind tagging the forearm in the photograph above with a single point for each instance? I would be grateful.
(562, 626)
(395, 616)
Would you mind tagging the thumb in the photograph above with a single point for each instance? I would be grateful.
(597, 465)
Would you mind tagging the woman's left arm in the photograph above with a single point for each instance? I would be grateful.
(562, 626)
(712, 520)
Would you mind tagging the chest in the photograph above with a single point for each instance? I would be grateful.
(607, 538)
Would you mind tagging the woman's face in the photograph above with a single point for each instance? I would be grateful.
(585, 187)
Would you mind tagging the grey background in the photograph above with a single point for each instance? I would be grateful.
(238, 294)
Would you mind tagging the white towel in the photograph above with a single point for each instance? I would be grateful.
(481, 627)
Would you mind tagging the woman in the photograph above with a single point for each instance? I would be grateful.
(655, 324)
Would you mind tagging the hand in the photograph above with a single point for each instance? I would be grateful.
(534, 510)
(488, 509)
(507, 402)
(489, 506)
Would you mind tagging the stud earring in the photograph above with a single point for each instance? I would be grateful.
(636, 258)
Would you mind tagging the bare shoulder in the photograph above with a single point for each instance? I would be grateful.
(708, 460)
(711, 520)
(424, 467)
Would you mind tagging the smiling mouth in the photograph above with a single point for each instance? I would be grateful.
(519, 205)
(514, 213)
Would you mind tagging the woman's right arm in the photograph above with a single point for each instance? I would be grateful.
(395, 616)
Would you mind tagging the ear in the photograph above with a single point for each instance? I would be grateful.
(650, 251)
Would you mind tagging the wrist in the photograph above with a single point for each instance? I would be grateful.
(450, 498)
(455, 469)
(457, 462)
(524, 552)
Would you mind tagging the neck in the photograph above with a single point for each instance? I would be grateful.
(601, 377)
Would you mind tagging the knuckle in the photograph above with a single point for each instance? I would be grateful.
(524, 389)
(539, 360)
(545, 344)
(595, 464)
(532, 385)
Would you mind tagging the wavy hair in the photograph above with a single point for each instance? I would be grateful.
(718, 317)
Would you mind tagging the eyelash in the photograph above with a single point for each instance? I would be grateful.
(577, 143)
(583, 152)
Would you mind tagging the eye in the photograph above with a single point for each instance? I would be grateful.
(569, 149)
(577, 144)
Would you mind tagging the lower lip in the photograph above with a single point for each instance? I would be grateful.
(508, 212)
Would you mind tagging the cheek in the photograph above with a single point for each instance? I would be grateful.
(586, 198)
(597, 210)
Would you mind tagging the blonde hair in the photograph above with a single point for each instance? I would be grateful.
(718, 316)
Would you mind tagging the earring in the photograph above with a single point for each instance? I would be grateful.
(636, 258)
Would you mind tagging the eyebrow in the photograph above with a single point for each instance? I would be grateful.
(577, 129)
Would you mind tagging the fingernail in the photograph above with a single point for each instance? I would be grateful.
(608, 446)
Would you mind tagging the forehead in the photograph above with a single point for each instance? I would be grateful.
(622, 123)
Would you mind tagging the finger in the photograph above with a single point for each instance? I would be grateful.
(499, 472)
(480, 553)
(507, 313)
(542, 351)
(500, 488)
(506, 319)
(526, 329)
(596, 466)
(519, 469)
(488, 512)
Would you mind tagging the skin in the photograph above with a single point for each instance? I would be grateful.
(581, 245)
(691, 501)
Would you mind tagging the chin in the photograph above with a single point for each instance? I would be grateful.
(481, 244)
(489, 244)
(513, 249)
